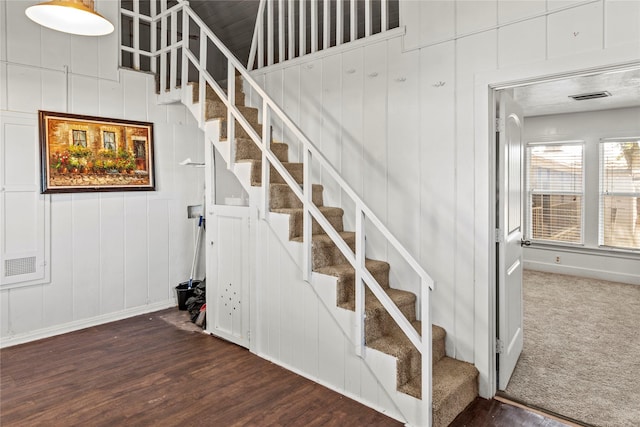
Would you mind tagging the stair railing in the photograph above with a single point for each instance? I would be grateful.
(174, 45)
(282, 27)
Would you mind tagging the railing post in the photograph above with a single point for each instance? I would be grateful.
(202, 83)
(231, 124)
(185, 46)
(282, 54)
(163, 44)
(314, 25)
(269, 32)
(302, 27)
(307, 232)
(266, 147)
(339, 21)
(353, 18)
(153, 30)
(326, 24)
(136, 35)
(425, 318)
(359, 282)
(367, 18)
(290, 18)
(173, 73)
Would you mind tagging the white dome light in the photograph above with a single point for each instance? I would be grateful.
(70, 16)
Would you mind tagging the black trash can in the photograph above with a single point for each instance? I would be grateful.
(184, 292)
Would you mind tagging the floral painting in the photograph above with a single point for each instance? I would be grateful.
(84, 153)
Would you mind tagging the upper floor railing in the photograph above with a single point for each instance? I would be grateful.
(288, 29)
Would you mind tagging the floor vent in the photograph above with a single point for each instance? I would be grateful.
(18, 266)
(593, 95)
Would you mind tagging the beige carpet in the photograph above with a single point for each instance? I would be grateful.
(581, 356)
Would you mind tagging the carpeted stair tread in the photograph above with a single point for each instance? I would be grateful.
(324, 240)
(373, 265)
(281, 196)
(246, 150)
(296, 220)
(372, 306)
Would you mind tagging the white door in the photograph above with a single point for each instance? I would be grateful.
(509, 217)
(228, 272)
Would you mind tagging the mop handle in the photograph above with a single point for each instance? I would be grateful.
(195, 253)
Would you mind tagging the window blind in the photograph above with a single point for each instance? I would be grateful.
(620, 193)
(555, 191)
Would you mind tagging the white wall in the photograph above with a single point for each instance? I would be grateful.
(112, 254)
(589, 127)
(410, 131)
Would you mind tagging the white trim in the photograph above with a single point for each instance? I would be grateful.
(75, 325)
(486, 83)
(592, 273)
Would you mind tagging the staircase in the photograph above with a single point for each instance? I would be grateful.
(454, 383)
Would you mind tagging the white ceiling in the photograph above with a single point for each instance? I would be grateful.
(553, 97)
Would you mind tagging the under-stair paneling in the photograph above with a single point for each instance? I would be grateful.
(26, 309)
(516, 50)
(112, 253)
(273, 85)
(84, 55)
(314, 346)
(575, 30)
(474, 15)
(24, 93)
(111, 98)
(437, 159)
(622, 22)
(473, 54)
(54, 90)
(134, 85)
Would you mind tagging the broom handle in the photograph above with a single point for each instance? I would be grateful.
(195, 253)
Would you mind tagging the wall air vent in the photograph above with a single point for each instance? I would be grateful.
(17, 266)
(592, 95)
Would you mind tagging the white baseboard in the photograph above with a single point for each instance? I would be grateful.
(11, 340)
(612, 276)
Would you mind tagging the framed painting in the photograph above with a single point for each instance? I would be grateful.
(84, 153)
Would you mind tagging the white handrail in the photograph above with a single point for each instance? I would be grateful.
(311, 153)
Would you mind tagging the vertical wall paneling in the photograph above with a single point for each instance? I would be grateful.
(575, 30)
(135, 249)
(84, 95)
(58, 295)
(25, 91)
(111, 99)
(291, 105)
(56, 50)
(374, 140)
(475, 15)
(54, 90)
(84, 55)
(410, 18)
(20, 35)
(437, 21)
(273, 84)
(26, 309)
(351, 156)
(513, 10)
(159, 228)
(276, 258)
(331, 133)
(437, 160)
(515, 50)
(86, 255)
(331, 348)
(112, 253)
(622, 22)
(3, 84)
(135, 103)
(5, 316)
(311, 104)
(473, 54)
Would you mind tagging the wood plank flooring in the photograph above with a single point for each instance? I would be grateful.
(144, 371)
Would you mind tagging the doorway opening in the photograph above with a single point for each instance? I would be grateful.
(553, 225)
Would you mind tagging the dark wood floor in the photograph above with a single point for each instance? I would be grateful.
(145, 371)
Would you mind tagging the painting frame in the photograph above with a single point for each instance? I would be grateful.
(80, 153)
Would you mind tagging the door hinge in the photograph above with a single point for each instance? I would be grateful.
(499, 346)
(498, 236)
(499, 124)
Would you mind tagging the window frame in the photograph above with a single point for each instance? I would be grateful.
(528, 216)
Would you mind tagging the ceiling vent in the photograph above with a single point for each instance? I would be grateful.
(593, 95)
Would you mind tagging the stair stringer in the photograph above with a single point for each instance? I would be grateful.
(381, 365)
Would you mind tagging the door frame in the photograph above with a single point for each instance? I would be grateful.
(485, 169)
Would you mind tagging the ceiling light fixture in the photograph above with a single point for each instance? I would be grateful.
(70, 16)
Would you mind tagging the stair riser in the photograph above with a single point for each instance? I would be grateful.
(295, 169)
(246, 149)
(282, 196)
(381, 323)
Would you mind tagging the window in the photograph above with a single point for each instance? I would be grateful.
(555, 191)
(109, 140)
(80, 138)
(620, 193)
